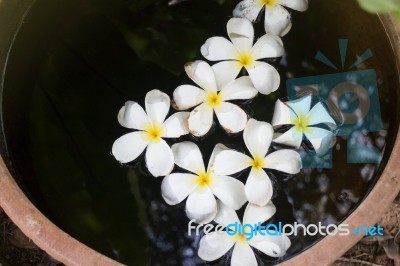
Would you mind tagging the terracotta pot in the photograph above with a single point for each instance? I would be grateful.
(66, 249)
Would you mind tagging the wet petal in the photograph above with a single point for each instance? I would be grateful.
(201, 205)
(291, 138)
(301, 106)
(265, 77)
(231, 117)
(240, 89)
(243, 255)
(188, 96)
(319, 115)
(277, 21)
(226, 72)
(128, 147)
(159, 158)
(218, 49)
(258, 187)
(229, 190)
(298, 5)
(321, 139)
(157, 106)
(268, 46)
(188, 156)
(225, 215)
(271, 244)
(283, 115)
(133, 116)
(176, 187)
(257, 137)
(217, 149)
(214, 245)
(248, 9)
(175, 125)
(202, 73)
(241, 33)
(286, 161)
(255, 214)
(230, 162)
(201, 120)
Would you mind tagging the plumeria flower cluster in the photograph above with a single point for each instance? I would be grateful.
(211, 192)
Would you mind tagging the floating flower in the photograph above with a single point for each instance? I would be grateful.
(277, 18)
(209, 99)
(304, 123)
(152, 128)
(214, 245)
(239, 52)
(257, 137)
(201, 185)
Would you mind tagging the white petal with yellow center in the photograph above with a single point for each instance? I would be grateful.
(218, 49)
(175, 125)
(243, 255)
(154, 132)
(268, 46)
(201, 205)
(159, 158)
(298, 5)
(292, 138)
(229, 190)
(226, 72)
(240, 89)
(202, 74)
(301, 106)
(133, 116)
(230, 162)
(277, 20)
(225, 215)
(257, 137)
(321, 139)
(283, 115)
(157, 106)
(201, 120)
(258, 214)
(188, 96)
(265, 77)
(215, 245)
(248, 9)
(188, 156)
(287, 161)
(231, 117)
(128, 147)
(176, 187)
(217, 149)
(270, 244)
(258, 187)
(241, 33)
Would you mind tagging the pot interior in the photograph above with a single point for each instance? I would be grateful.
(75, 62)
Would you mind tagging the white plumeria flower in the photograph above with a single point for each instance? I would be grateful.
(277, 18)
(210, 99)
(257, 137)
(304, 122)
(214, 245)
(201, 185)
(152, 128)
(239, 52)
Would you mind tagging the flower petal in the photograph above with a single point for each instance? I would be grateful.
(268, 46)
(240, 89)
(298, 5)
(218, 49)
(157, 106)
(241, 33)
(255, 214)
(231, 117)
(229, 190)
(128, 147)
(301, 106)
(201, 120)
(202, 73)
(176, 187)
(159, 158)
(257, 137)
(214, 245)
(243, 255)
(291, 138)
(247, 9)
(226, 72)
(225, 215)
(201, 205)
(265, 77)
(319, 115)
(188, 96)
(286, 161)
(277, 21)
(188, 156)
(133, 116)
(321, 139)
(175, 125)
(283, 114)
(217, 149)
(230, 162)
(258, 187)
(271, 244)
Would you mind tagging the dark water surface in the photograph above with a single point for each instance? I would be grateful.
(76, 62)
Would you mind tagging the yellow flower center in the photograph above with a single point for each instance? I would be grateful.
(241, 238)
(301, 123)
(245, 59)
(204, 179)
(214, 99)
(269, 3)
(154, 132)
(258, 163)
